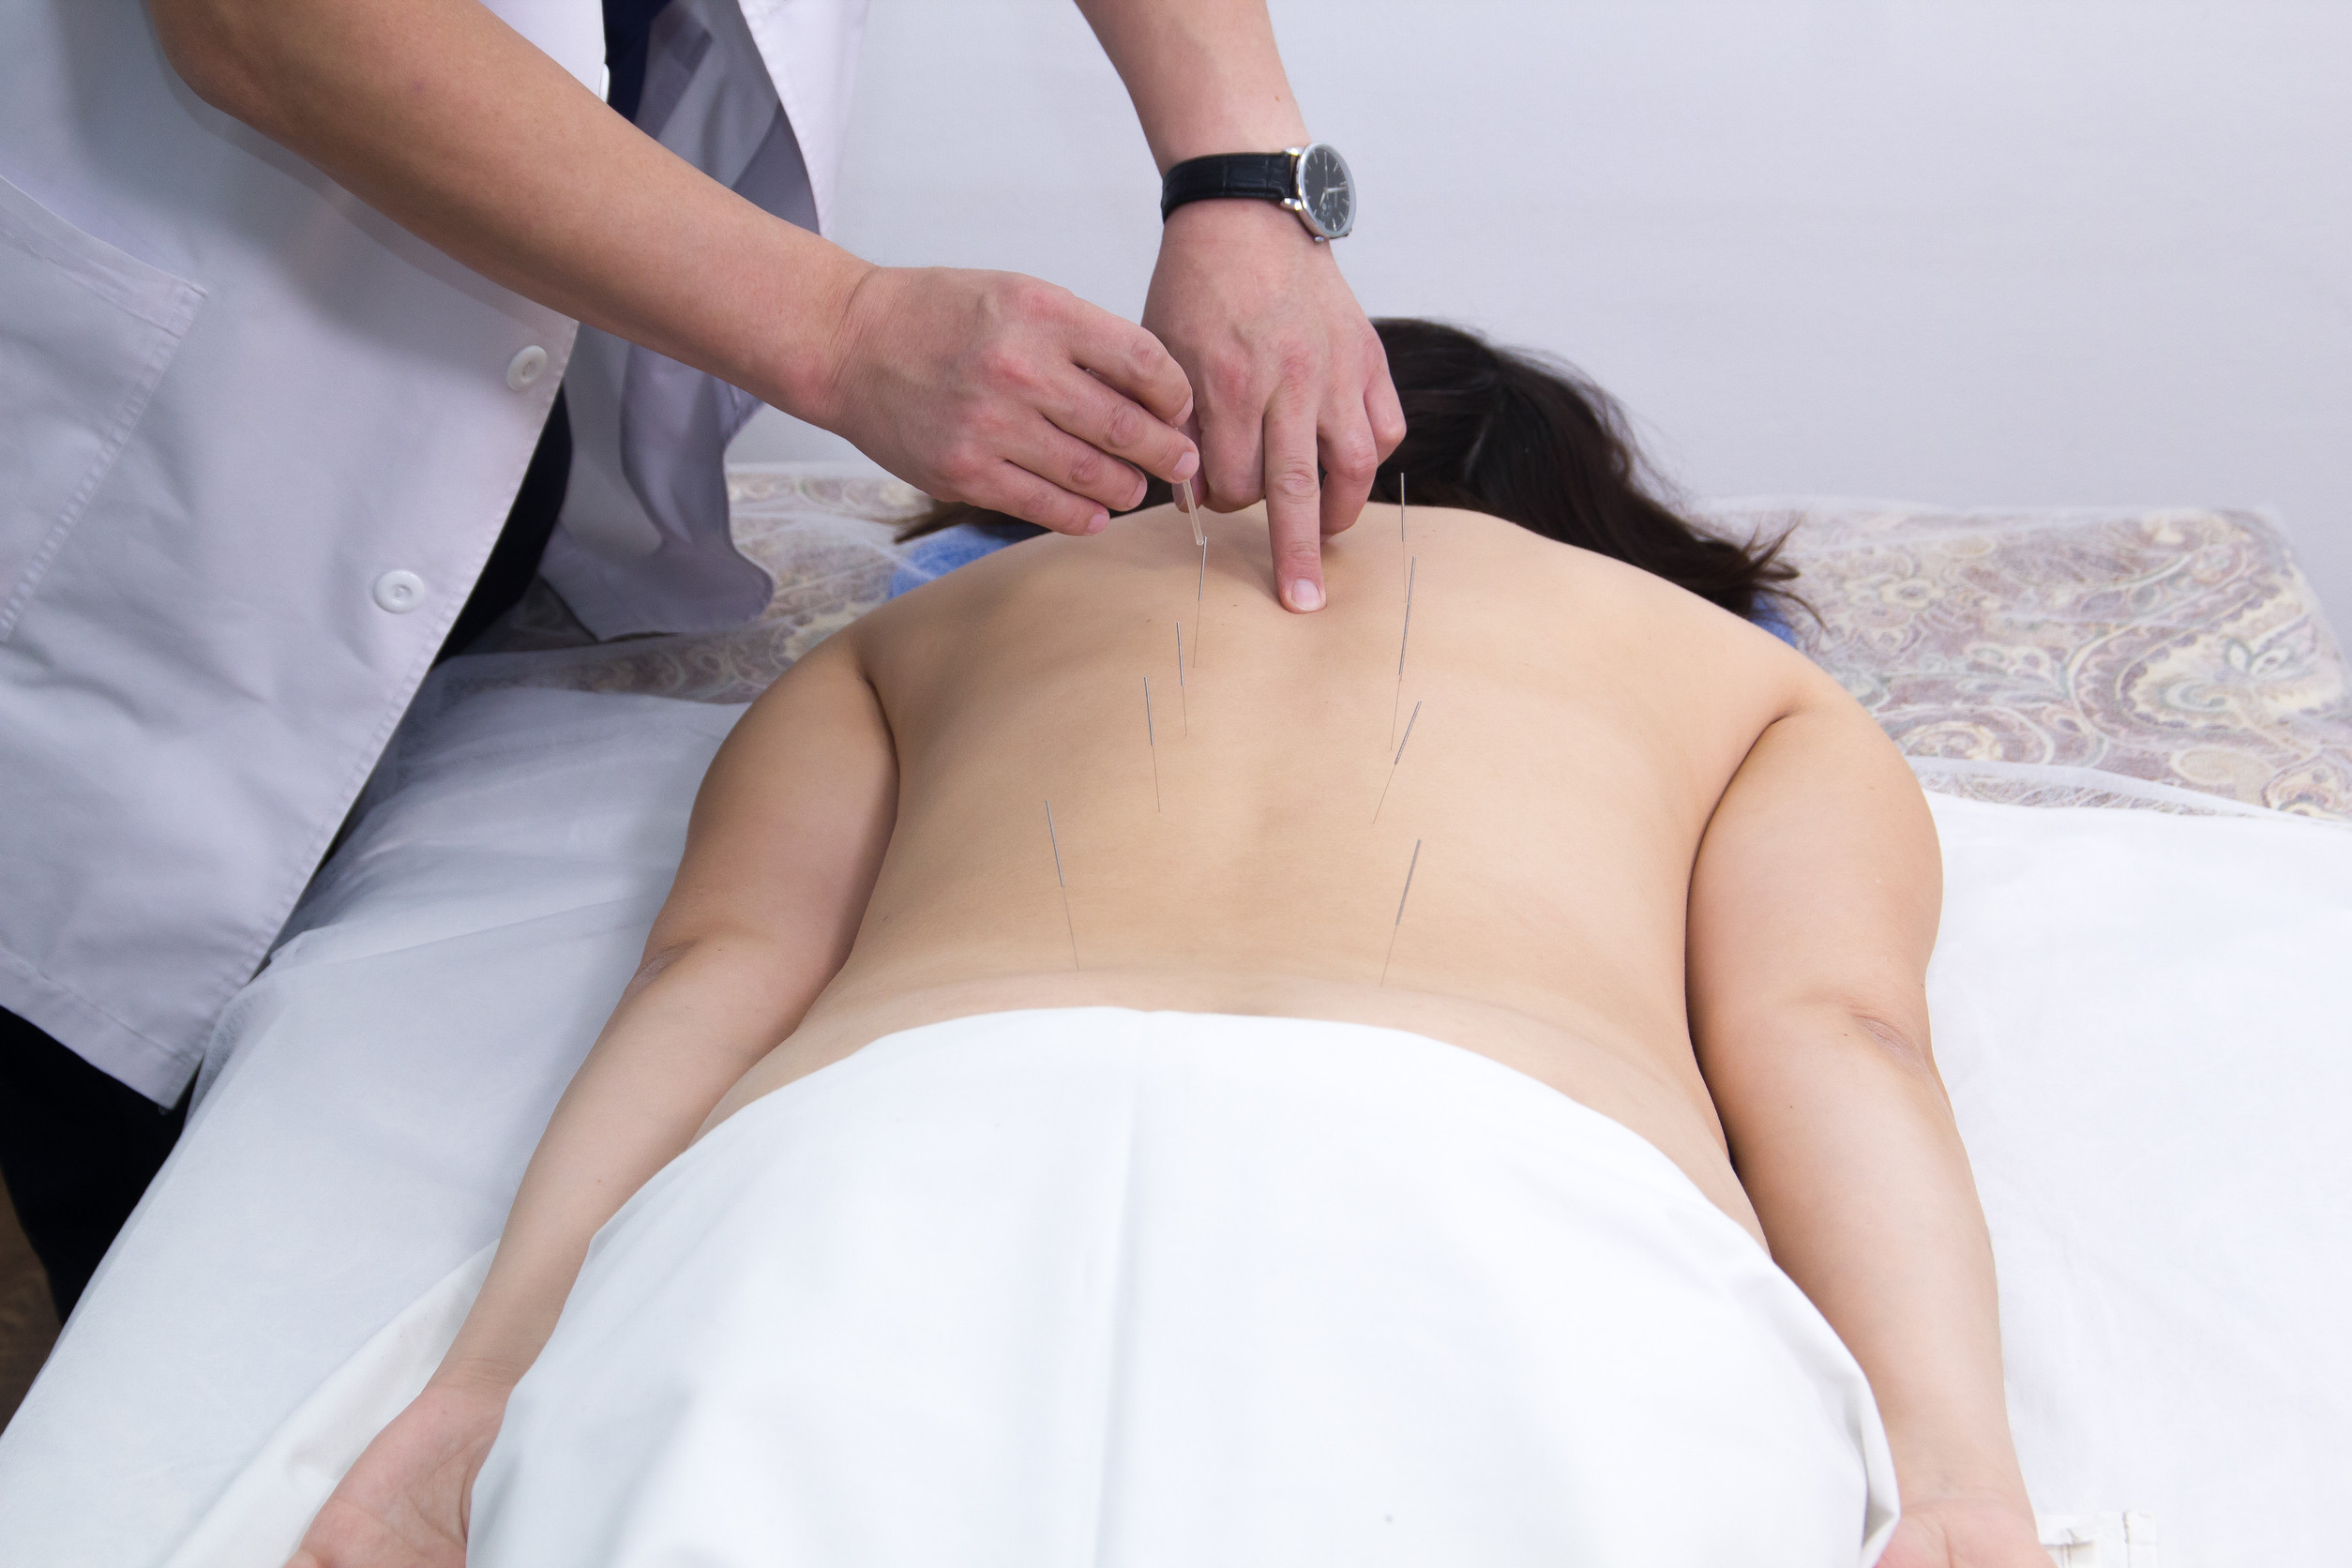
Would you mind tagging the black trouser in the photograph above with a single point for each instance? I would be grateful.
(76, 1147)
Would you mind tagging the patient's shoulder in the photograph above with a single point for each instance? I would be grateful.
(831, 667)
(1669, 640)
(1711, 683)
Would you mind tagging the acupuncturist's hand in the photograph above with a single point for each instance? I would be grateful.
(1005, 392)
(1293, 402)
(1292, 399)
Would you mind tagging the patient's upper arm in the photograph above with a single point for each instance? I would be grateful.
(791, 821)
(1816, 888)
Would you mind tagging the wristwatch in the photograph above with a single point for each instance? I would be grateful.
(1312, 181)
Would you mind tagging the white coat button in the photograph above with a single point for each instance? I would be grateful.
(399, 592)
(526, 366)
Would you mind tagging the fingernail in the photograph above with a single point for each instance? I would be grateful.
(1187, 465)
(1099, 521)
(1306, 595)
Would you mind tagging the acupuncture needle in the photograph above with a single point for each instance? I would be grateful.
(1200, 588)
(1055, 840)
(1188, 504)
(1396, 926)
(1397, 706)
(1153, 736)
(1400, 757)
(1182, 694)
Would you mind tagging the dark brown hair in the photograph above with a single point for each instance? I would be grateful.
(1530, 441)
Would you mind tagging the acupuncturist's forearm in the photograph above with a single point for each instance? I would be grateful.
(1847, 1145)
(449, 122)
(697, 1017)
(1204, 75)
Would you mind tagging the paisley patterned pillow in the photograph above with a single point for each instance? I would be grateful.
(2168, 659)
(2180, 649)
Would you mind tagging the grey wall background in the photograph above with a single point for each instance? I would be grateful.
(1954, 251)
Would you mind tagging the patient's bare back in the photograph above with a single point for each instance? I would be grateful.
(1465, 800)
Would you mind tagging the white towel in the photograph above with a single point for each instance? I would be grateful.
(1105, 1287)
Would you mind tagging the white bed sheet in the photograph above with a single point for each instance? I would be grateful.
(2142, 1018)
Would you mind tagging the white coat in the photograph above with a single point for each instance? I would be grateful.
(256, 443)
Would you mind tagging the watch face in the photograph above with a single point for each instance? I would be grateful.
(1327, 191)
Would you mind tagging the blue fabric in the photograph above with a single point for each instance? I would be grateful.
(936, 555)
(1767, 615)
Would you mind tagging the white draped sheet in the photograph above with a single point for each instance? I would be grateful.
(1098, 1288)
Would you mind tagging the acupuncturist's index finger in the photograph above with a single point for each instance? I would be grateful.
(1294, 494)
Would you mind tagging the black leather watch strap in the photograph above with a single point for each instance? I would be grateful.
(1253, 177)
